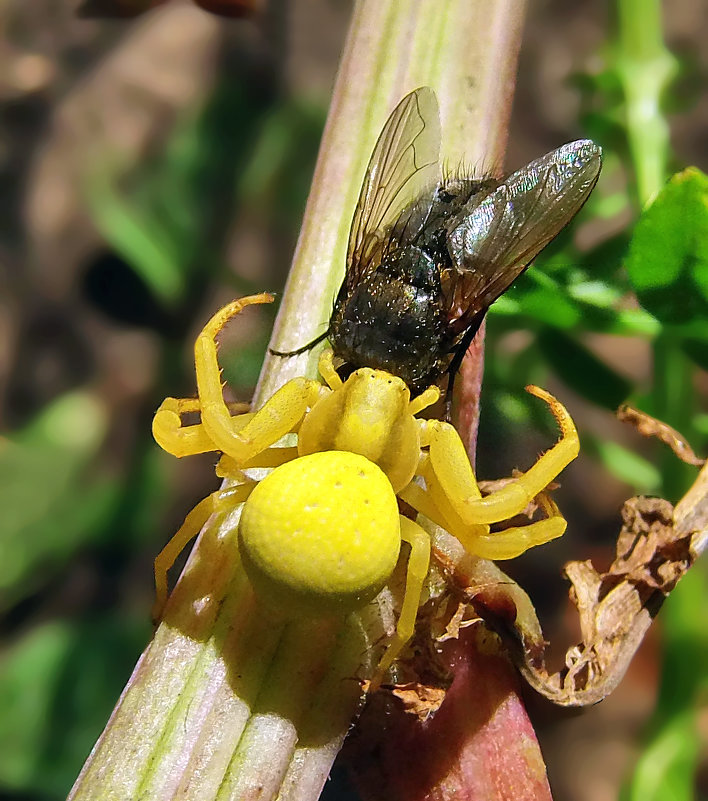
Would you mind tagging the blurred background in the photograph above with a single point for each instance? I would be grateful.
(151, 169)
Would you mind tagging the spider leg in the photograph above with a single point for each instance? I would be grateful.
(271, 457)
(181, 440)
(327, 371)
(417, 570)
(193, 524)
(432, 502)
(452, 469)
(167, 428)
(280, 414)
(427, 398)
(514, 541)
(476, 538)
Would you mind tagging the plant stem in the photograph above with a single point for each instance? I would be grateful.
(670, 757)
(645, 67)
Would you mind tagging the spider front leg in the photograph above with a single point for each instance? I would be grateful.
(167, 428)
(513, 541)
(451, 467)
(281, 413)
(451, 497)
(219, 501)
(476, 538)
(240, 436)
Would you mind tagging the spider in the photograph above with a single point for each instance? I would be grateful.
(321, 533)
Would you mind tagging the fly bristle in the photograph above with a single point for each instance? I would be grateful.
(464, 172)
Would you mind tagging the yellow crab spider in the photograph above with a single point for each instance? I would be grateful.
(321, 533)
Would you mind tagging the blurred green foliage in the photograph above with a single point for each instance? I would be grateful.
(57, 687)
(667, 261)
(662, 260)
(68, 515)
(51, 453)
(667, 767)
(168, 221)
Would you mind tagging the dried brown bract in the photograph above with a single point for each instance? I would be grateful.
(649, 426)
(419, 699)
(656, 546)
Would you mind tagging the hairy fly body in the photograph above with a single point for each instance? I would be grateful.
(428, 256)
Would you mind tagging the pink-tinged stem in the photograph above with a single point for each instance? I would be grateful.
(480, 746)
(470, 388)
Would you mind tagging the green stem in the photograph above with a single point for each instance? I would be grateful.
(645, 67)
(673, 402)
(669, 760)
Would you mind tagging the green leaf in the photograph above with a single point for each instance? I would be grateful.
(625, 465)
(604, 261)
(582, 370)
(512, 408)
(666, 768)
(700, 423)
(75, 421)
(595, 293)
(697, 351)
(27, 680)
(138, 238)
(280, 168)
(668, 765)
(543, 299)
(58, 685)
(636, 322)
(668, 255)
(50, 506)
(685, 636)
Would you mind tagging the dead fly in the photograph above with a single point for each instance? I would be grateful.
(428, 256)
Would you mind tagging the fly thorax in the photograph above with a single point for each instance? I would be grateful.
(369, 416)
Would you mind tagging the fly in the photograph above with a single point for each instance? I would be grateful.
(428, 255)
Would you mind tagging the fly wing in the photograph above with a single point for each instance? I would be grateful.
(404, 163)
(495, 238)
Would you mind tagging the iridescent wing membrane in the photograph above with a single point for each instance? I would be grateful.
(495, 237)
(497, 233)
(403, 165)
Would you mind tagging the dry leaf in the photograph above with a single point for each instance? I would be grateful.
(616, 608)
(419, 699)
(459, 620)
(656, 546)
(654, 549)
(649, 426)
